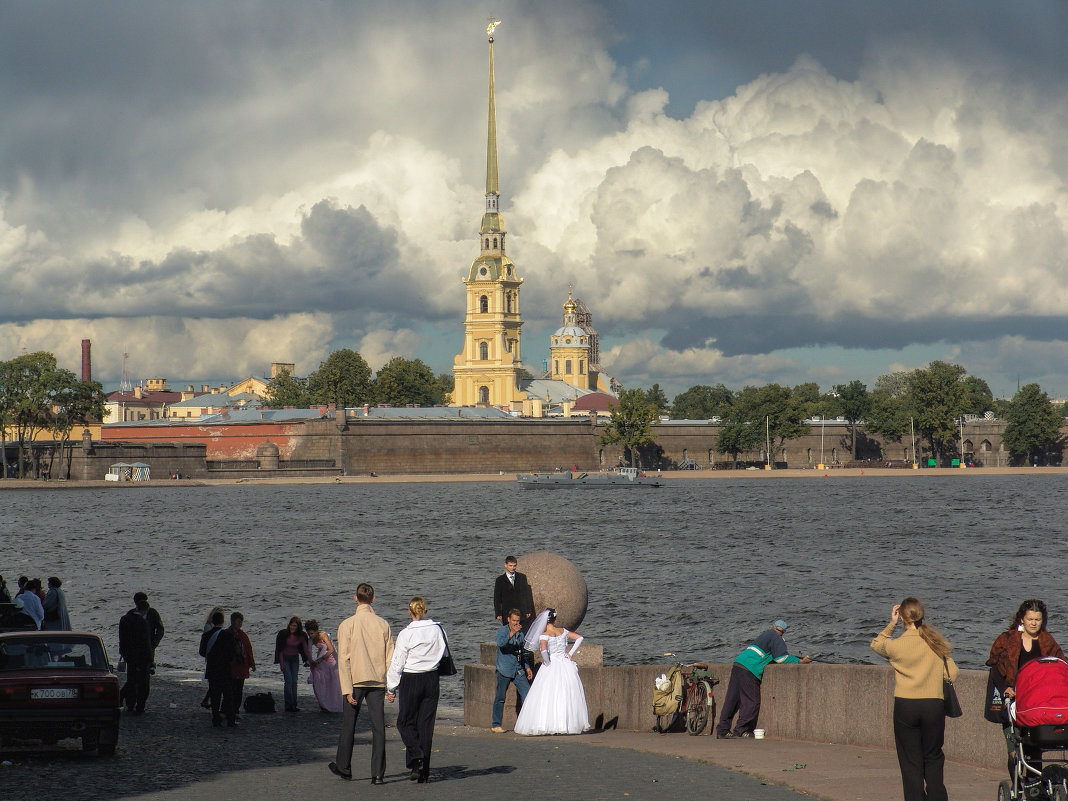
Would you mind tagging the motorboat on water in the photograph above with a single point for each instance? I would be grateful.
(623, 477)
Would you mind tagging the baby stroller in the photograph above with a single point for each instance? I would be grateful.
(1038, 717)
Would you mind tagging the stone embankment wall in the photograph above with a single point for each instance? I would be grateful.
(361, 445)
(847, 704)
(467, 446)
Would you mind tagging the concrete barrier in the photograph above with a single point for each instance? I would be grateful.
(847, 704)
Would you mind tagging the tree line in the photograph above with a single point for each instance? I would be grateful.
(38, 396)
(929, 401)
(345, 380)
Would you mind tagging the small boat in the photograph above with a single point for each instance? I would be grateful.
(623, 477)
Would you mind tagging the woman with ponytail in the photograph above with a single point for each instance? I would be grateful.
(920, 658)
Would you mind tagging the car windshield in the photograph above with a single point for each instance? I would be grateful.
(60, 653)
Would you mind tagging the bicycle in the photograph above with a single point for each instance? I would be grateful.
(690, 699)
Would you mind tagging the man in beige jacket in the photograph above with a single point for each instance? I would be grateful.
(364, 651)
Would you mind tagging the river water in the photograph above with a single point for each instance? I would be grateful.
(697, 568)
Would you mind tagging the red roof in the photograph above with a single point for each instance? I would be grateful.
(595, 402)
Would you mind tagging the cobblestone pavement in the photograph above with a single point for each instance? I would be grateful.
(172, 753)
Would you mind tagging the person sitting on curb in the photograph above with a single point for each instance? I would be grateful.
(743, 689)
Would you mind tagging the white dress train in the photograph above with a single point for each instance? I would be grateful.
(556, 703)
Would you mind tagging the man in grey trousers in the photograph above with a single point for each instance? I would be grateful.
(364, 651)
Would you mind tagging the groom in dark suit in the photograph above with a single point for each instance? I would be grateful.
(512, 591)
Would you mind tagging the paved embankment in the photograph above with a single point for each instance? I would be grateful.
(173, 754)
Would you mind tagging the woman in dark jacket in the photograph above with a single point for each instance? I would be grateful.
(290, 648)
(1026, 639)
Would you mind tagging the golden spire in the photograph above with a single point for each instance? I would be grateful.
(491, 140)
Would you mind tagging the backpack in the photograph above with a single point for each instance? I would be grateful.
(260, 703)
(667, 701)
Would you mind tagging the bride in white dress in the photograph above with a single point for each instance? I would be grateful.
(556, 703)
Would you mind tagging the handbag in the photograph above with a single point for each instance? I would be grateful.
(949, 695)
(446, 667)
(994, 708)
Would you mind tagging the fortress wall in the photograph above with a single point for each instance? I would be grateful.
(467, 446)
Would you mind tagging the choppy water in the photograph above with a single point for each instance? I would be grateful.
(696, 568)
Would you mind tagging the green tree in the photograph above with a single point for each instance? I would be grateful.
(655, 396)
(403, 381)
(895, 385)
(737, 437)
(887, 416)
(344, 379)
(936, 396)
(631, 423)
(75, 403)
(775, 410)
(448, 384)
(1033, 427)
(284, 390)
(32, 384)
(855, 404)
(978, 399)
(703, 402)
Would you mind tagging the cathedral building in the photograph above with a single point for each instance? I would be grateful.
(574, 353)
(489, 370)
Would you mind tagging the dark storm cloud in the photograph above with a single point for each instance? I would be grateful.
(703, 50)
(737, 335)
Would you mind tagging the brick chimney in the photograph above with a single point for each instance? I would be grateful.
(87, 362)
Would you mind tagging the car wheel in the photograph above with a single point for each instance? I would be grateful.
(106, 749)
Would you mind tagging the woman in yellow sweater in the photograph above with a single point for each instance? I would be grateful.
(920, 658)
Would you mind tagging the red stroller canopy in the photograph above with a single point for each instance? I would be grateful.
(1042, 692)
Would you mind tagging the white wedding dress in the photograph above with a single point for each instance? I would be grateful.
(556, 703)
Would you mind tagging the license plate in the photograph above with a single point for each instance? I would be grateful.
(45, 693)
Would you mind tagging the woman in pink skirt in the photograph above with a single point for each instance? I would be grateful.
(323, 677)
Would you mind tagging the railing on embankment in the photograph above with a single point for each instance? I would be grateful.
(848, 704)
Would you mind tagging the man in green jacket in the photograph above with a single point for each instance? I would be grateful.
(743, 689)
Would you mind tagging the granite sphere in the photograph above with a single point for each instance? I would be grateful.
(555, 582)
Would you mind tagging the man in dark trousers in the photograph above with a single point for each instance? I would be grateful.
(364, 651)
(217, 646)
(513, 667)
(140, 631)
(512, 591)
(743, 689)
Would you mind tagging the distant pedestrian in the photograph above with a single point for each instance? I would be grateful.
(290, 649)
(747, 672)
(32, 603)
(5, 594)
(514, 666)
(217, 648)
(140, 631)
(55, 607)
(324, 677)
(244, 661)
(208, 626)
(364, 651)
(512, 591)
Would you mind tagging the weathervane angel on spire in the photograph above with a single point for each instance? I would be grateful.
(491, 27)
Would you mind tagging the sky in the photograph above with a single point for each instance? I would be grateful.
(741, 192)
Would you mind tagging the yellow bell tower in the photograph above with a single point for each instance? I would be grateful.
(487, 370)
(569, 349)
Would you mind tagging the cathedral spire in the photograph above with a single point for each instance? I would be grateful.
(491, 218)
(491, 137)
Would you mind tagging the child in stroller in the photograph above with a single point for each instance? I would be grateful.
(1039, 719)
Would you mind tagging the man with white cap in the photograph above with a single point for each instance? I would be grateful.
(743, 689)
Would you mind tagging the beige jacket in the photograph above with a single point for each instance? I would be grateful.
(364, 650)
(918, 670)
